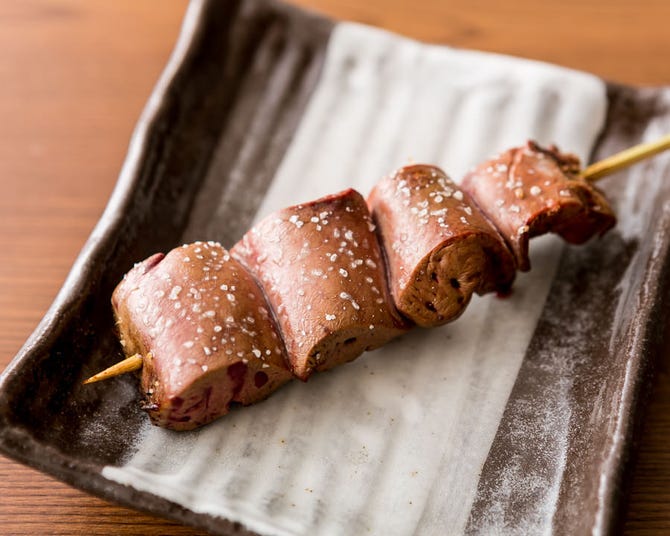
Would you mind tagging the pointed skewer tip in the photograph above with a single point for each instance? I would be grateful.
(129, 364)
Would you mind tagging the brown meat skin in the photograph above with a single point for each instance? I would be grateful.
(205, 331)
(528, 191)
(322, 270)
(439, 248)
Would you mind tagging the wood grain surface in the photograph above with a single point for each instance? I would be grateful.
(74, 76)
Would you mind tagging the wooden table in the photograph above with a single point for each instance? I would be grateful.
(74, 75)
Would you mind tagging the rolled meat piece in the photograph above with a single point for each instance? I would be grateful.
(206, 333)
(528, 191)
(439, 248)
(322, 270)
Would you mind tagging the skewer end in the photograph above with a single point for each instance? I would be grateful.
(129, 364)
(624, 159)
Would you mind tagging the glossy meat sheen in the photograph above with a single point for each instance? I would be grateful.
(322, 270)
(439, 248)
(528, 191)
(206, 332)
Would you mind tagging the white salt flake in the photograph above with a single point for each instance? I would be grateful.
(174, 293)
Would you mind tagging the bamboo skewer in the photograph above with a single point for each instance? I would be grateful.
(129, 364)
(592, 173)
(626, 158)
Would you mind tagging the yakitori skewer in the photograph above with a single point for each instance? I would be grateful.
(256, 323)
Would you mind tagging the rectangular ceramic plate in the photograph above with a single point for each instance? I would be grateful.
(516, 419)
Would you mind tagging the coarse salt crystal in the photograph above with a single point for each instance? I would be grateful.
(174, 293)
